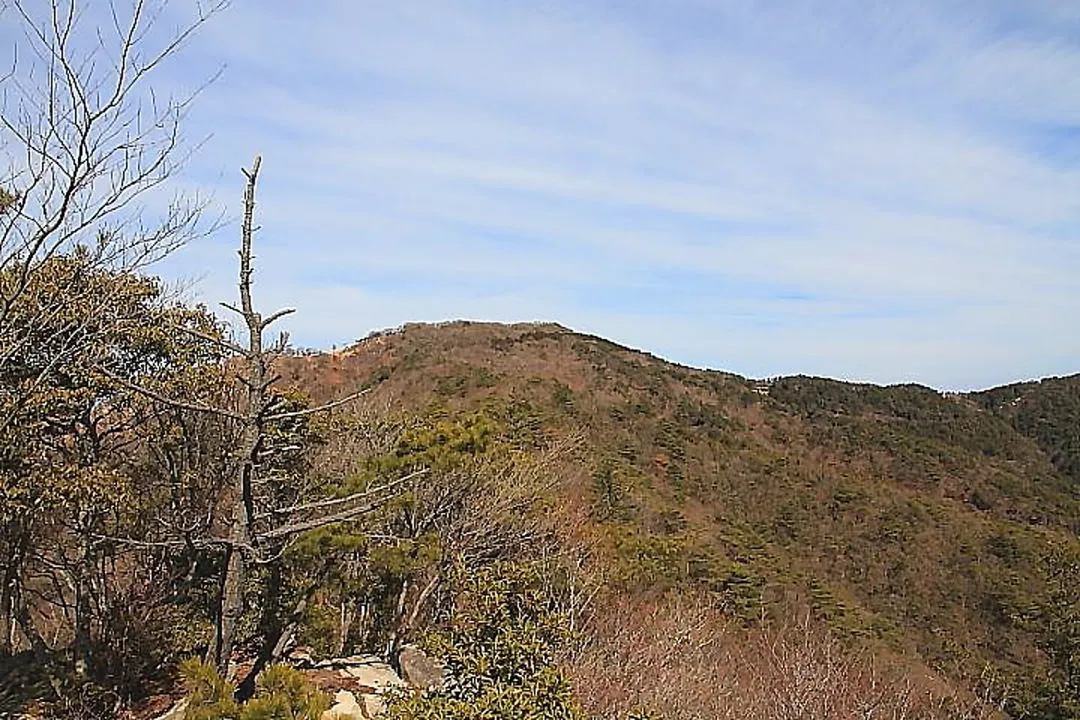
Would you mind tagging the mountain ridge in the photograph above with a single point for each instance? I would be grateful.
(554, 325)
(905, 515)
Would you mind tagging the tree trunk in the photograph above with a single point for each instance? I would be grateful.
(10, 587)
(242, 501)
(38, 645)
(230, 607)
(82, 621)
(276, 635)
(399, 620)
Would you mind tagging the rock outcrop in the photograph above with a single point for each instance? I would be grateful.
(358, 683)
(420, 670)
(345, 707)
(361, 683)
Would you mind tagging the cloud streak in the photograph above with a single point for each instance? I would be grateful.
(870, 190)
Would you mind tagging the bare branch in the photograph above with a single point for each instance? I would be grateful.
(170, 401)
(321, 408)
(246, 234)
(323, 504)
(85, 138)
(220, 342)
(233, 308)
(287, 530)
(277, 316)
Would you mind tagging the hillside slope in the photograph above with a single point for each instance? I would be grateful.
(1048, 412)
(911, 519)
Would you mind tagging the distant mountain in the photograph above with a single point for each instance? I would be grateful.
(1048, 412)
(916, 520)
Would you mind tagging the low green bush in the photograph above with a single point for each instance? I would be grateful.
(500, 648)
(282, 693)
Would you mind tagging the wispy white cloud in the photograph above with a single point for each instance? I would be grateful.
(876, 190)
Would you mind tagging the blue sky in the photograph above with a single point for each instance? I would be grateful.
(880, 190)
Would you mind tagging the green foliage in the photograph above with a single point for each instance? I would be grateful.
(443, 444)
(1048, 412)
(838, 614)
(210, 697)
(737, 586)
(878, 507)
(500, 648)
(562, 397)
(285, 694)
(611, 493)
(898, 514)
(479, 487)
(523, 424)
(1055, 618)
(452, 385)
(462, 380)
(650, 562)
(77, 333)
(282, 694)
(76, 460)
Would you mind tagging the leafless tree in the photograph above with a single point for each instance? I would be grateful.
(254, 527)
(679, 654)
(87, 148)
(258, 513)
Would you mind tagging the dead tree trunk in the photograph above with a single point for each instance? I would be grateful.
(241, 499)
(249, 531)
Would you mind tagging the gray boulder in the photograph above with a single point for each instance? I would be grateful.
(420, 670)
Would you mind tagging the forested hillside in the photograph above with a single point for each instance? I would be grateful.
(199, 521)
(633, 503)
(918, 521)
(1048, 412)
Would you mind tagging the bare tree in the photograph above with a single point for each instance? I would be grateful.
(253, 525)
(264, 505)
(679, 653)
(86, 148)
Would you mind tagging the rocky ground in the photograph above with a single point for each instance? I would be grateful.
(358, 684)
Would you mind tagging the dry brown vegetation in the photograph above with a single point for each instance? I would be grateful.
(904, 520)
(679, 657)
